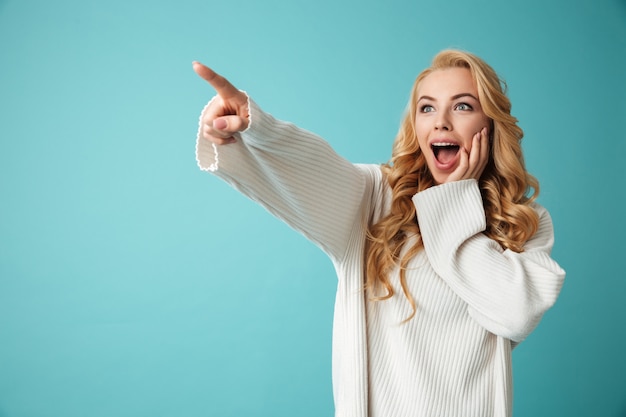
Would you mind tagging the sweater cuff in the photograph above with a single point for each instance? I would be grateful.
(207, 152)
(450, 213)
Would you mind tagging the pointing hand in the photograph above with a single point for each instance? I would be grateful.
(227, 113)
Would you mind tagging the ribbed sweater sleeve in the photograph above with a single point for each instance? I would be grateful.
(294, 174)
(506, 292)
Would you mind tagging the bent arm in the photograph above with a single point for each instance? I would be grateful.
(506, 292)
(294, 174)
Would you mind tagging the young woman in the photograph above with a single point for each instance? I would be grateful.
(442, 255)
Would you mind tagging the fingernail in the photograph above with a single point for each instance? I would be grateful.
(220, 124)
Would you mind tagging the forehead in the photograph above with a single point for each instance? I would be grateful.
(447, 82)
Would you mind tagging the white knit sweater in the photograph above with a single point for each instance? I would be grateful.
(475, 301)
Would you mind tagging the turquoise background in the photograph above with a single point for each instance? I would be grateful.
(133, 284)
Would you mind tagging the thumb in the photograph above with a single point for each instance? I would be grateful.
(230, 124)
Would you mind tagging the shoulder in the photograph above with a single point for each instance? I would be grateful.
(378, 190)
(542, 212)
(374, 177)
(373, 171)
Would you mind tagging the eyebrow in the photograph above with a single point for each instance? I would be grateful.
(454, 97)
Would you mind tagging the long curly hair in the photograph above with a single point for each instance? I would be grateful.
(506, 187)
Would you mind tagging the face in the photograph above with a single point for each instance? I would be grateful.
(448, 116)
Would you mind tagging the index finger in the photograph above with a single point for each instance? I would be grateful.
(223, 87)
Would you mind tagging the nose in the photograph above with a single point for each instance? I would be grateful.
(443, 121)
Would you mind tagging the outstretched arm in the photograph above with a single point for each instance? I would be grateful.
(291, 172)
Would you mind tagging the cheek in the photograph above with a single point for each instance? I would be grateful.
(487, 122)
(422, 141)
(475, 127)
(422, 134)
(479, 123)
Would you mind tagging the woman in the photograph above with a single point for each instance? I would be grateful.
(442, 255)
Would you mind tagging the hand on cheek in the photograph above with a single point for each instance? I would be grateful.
(473, 164)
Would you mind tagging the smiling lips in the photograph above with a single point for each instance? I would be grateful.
(445, 154)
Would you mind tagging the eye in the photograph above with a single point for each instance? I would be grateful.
(427, 108)
(464, 107)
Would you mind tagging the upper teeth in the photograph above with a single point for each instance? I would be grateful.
(444, 144)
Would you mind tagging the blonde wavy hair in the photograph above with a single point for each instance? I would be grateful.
(506, 187)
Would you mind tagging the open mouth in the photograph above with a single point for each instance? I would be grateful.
(445, 152)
